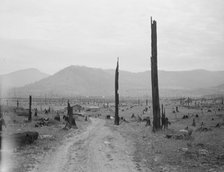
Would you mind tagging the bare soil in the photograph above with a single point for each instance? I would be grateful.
(203, 151)
(99, 145)
(98, 148)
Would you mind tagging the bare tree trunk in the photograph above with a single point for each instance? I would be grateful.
(71, 120)
(30, 112)
(188, 102)
(163, 117)
(154, 78)
(116, 119)
(1, 121)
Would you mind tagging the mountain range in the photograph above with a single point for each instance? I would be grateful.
(20, 78)
(86, 81)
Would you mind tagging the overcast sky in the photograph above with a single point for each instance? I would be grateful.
(52, 34)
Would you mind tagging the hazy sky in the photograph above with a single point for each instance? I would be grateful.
(52, 34)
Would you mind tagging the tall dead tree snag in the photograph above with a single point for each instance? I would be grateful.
(116, 119)
(30, 106)
(154, 78)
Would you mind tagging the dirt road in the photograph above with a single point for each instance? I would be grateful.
(98, 149)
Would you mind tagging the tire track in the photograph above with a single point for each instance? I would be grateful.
(98, 149)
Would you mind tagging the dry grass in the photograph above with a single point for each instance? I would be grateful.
(50, 137)
(203, 151)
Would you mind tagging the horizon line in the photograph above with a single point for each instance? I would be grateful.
(124, 70)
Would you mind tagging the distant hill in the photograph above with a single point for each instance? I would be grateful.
(220, 87)
(73, 80)
(20, 78)
(85, 81)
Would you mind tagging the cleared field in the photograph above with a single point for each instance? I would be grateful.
(144, 150)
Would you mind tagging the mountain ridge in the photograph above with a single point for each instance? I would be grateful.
(20, 78)
(87, 81)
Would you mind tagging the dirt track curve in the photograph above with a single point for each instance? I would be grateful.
(98, 149)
